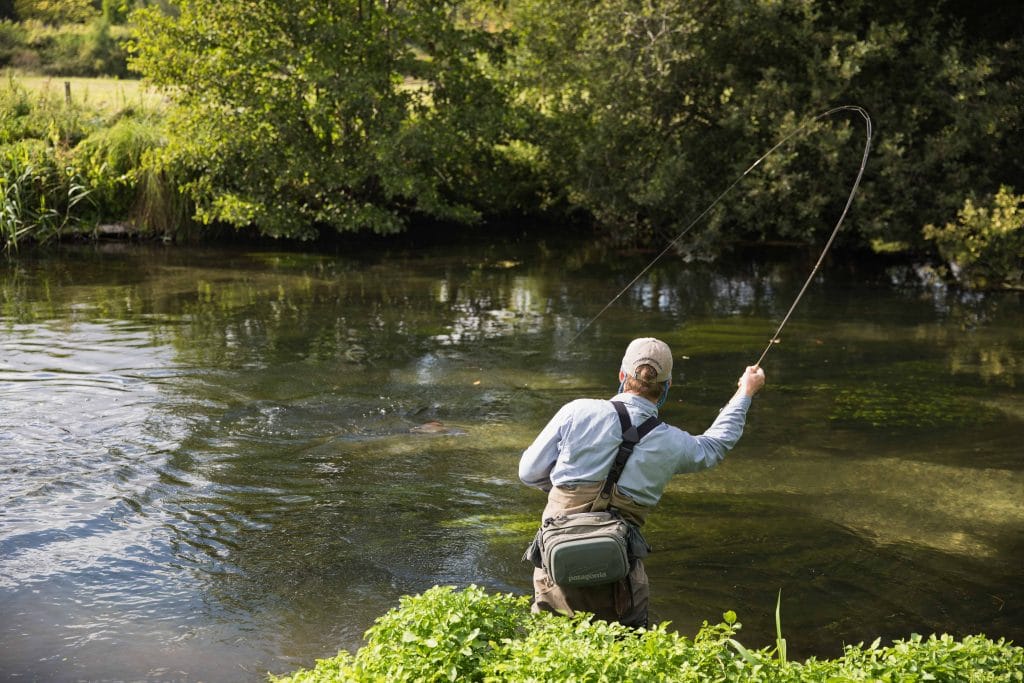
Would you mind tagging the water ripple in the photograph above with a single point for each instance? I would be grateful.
(82, 435)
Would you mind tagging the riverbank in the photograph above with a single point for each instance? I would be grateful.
(85, 159)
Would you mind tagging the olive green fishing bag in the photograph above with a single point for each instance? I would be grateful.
(585, 549)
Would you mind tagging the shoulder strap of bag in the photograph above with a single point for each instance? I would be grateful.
(630, 437)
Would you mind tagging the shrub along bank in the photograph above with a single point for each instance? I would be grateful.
(628, 116)
(447, 635)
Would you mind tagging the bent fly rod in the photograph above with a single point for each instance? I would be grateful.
(828, 244)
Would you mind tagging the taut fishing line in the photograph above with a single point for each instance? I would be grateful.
(835, 231)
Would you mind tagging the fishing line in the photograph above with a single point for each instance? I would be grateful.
(835, 231)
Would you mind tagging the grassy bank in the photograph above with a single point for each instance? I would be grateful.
(107, 95)
(448, 635)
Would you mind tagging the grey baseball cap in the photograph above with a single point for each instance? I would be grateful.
(648, 351)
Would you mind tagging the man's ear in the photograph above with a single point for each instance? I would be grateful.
(622, 376)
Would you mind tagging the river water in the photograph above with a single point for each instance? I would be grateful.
(211, 467)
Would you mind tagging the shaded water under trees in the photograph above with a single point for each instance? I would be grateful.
(207, 469)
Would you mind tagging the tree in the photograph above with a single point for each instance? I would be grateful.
(116, 11)
(301, 115)
(649, 109)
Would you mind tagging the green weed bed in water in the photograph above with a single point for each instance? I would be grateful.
(881, 405)
(446, 634)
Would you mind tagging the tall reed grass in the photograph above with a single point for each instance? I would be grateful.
(39, 198)
(110, 160)
(159, 205)
(66, 168)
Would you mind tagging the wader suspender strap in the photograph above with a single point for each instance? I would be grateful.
(630, 437)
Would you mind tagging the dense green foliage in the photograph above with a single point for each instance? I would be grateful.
(55, 11)
(302, 119)
(67, 37)
(652, 108)
(448, 635)
(94, 48)
(110, 160)
(634, 114)
(297, 116)
(61, 12)
(985, 245)
(38, 194)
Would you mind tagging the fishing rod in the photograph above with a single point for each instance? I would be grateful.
(835, 231)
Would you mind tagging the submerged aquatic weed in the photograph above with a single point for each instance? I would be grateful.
(898, 407)
(521, 526)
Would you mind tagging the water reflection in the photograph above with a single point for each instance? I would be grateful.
(209, 458)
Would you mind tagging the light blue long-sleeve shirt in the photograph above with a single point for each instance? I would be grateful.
(579, 444)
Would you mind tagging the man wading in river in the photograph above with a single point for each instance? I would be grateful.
(572, 457)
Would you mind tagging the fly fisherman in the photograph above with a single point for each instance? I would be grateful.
(572, 457)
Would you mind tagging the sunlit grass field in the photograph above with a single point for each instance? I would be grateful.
(105, 94)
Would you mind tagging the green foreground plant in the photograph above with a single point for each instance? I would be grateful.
(446, 634)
